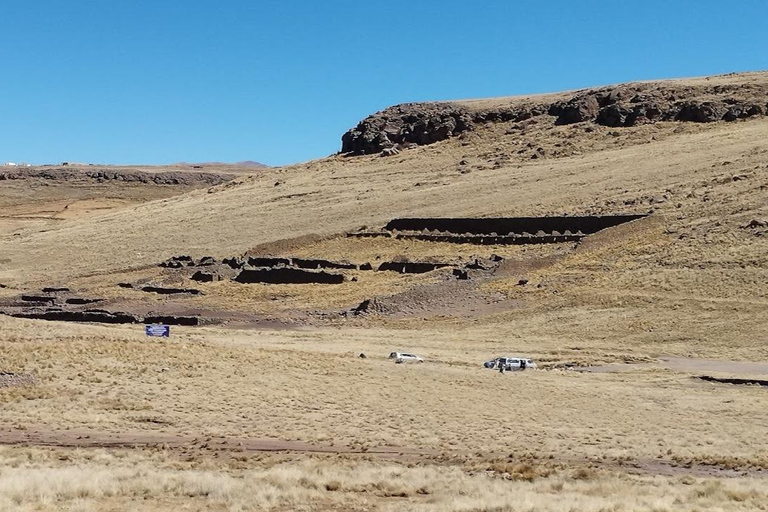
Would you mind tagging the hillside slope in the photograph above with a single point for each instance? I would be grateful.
(707, 179)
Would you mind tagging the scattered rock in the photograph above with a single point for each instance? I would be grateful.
(205, 277)
(390, 151)
(756, 223)
(363, 307)
(177, 261)
(8, 379)
(234, 263)
(460, 274)
(55, 290)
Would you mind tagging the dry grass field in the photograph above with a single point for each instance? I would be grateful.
(274, 409)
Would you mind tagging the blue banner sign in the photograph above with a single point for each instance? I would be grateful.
(158, 330)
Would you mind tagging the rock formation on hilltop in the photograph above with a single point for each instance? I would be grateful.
(415, 124)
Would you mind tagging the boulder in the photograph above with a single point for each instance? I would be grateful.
(701, 112)
(234, 263)
(206, 261)
(755, 223)
(205, 277)
(614, 116)
(576, 110)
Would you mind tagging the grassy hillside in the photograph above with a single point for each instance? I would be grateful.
(698, 175)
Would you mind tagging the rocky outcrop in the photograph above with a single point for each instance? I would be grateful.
(185, 178)
(417, 124)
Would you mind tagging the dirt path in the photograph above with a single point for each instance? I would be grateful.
(96, 439)
(690, 364)
(686, 364)
(228, 447)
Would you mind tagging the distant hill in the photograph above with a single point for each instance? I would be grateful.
(244, 163)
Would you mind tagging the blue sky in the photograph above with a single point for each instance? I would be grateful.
(161, 81)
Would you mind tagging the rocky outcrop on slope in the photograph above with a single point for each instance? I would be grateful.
(105, 175)
(416, 124)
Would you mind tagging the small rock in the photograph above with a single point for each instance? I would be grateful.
(755, 223)
(390, 151)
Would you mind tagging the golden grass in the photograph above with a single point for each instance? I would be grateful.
(311, 386)
(47, 480)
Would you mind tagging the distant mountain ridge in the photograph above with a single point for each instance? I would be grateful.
(244, 163)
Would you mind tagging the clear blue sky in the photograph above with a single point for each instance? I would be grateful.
(279, 81)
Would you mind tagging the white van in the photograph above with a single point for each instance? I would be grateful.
(510, 364)
(402, 357)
